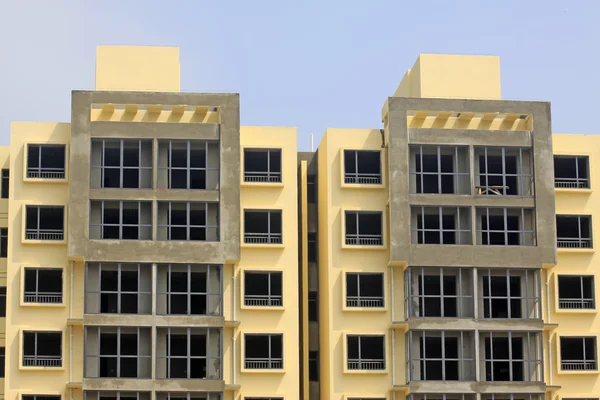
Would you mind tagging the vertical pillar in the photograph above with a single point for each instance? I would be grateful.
(476, 357)
(475, 295)
(154, 287)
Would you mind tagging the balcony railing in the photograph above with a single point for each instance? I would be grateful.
(366, 364)
(262, 238)
(43, 297)
(571, 183)
(364, 301)
(44, 234)
(46, 173)
(578, 365)
(269, 177)
(264, 363)
(364, 240)
(267, 301)
(574, 243)
(576, 304)
(362, 179)
(42, 361)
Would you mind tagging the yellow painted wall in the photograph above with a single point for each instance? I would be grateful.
(272, 257)
(452, 76)
(138, 68)
(35, 381)
(335, 261)
(577, 262)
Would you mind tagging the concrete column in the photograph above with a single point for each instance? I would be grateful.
(475, 295)
(153, 358)
(477, 357)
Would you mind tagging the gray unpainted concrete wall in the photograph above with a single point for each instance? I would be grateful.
(83, 129)
(399, 137)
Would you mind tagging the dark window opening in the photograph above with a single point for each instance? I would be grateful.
(39, 397)
(46, 161)
(263, 351)
(122, 163)
(504, 171)
(188, 164)
(2, 362)
(313, 306)
(364, 228)
(364, 290)
(262, 165)
(574, 231)
(578, 354)
(433, 175)
(263, 289)
(42, 349)
(504, 359)
(124, 220)
(44, 223)
(263, 227)
(441, 225)
(440, 358)
(311, 190)
(3, 301)
(189, 353)
(366, 352)
(5, 182)
(438, 295)
(506, 226)
(3, 242)
(362, 167)
(571, 172)
(193, 221)
(43, 285)
(576, 292)
(502, 297)
(312, 247)
(313, 366)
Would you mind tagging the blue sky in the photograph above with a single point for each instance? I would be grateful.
(310, 64)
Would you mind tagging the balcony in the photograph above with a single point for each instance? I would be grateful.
(189, 289)
(441, 225)
(498, 226)
(511, 356)
(510, 294)
(122, 220)
(504, 171)
(188, 164)
(121, 163)
(439, 170)
(188, 221)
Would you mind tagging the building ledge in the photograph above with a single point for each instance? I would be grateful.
(74, 385)
(553, 388)
(400, 389)
(548, 327)
(572, 191)
(232, 324)
(232, 388)
(402, 326)
(75, 322)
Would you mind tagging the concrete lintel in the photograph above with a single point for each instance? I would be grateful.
(468, 105)
(160, 195)
(511, 387)
(153, 320)
(472, 324)
(471, 200)
(207, 385)
(152, 130)
(476, 387)
(159, 98)
(469, 137)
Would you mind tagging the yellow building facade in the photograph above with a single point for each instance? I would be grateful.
(155, 249)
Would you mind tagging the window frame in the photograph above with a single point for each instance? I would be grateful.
(259, 238)
(39, 173)
(263, 177)
(36, 298)
(119, 293)
(574, 302)
(264, 364)
(531, 367)
(3, 242)
(379, 365)
(5, 183)
(140, 358)
(353, 179)
(38, 235)
(272, 301)
(590, 365)
(209, 229)
(529, 276)
(116, 394)
(49, 360)
(578, 242)
(577, 182)
(359, 240)
(140, 226)
(525, 212)
(360, 302)
(484, 190)
(457, 177)
(3, 301)
(208, 170)
(419, 234)
(121, 167)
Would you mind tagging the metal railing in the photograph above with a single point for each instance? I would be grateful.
(571, 183)
(576, 304)
(42, 361)
(366, 364)
(574, 243)
(578, 365)
(362, 179)
(364, 240)
(262, 176)
(262, 238)
(263, 363)
(364, 301)
(44, 234)
(268, 301)
(46, 173)
(43, 297)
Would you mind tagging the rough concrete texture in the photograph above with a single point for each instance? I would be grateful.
(476, 387)
(185, 385)
(398, 139)
(466, 324)
(153, 320)
(228, 131)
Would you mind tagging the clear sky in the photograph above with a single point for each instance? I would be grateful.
(311, 64)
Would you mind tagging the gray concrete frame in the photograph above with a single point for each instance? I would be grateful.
(398, 137)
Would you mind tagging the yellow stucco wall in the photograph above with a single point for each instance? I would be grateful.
(452, 76)
(577, 262)
(138, 68)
